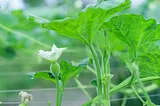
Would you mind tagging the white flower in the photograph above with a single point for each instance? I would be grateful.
(52, 55)
(25, 97)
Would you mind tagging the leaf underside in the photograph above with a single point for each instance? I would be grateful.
(42, 74)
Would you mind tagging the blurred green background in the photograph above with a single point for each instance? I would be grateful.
(18, 55)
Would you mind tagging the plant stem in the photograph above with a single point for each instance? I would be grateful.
(135, 91)
(23, 35)
(81, 87)
(91, 69)
(107, 75)
(142, 87)
(22, 104)
(106, 87)
(125, 84)
(148, 88)
(98, 69)
(108, 84)
(124, 101)
(57, 92)
(60, 98)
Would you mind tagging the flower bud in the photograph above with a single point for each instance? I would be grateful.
(25, 98)
(26, 101)
(55, 68)
(20, 94)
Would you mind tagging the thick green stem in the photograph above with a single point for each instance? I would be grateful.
(98, 69)
(57, 92)
(107, 76)
(107, 73)
(126, 83)
(60, 98)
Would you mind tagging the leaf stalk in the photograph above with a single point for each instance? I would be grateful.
(98, 69)
(57, 92)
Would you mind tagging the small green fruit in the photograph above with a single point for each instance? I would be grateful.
(55, 68)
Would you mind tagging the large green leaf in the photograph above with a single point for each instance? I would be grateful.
(134, 30)
(42, 74)
(86, 24)
(149, 64)
(68, 71)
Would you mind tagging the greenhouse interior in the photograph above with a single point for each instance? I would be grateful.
(79, 52)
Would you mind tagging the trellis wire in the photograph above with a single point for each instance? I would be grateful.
(113, 100)
(45, 89)
(15, 103)
(130, 98)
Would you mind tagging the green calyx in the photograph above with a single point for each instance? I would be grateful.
(55, 69)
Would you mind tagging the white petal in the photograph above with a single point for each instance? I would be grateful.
(54, 48)
(24, 95)
(44, 54)
(26, 101)
(30, 97)
(52, 55)
(20, 94)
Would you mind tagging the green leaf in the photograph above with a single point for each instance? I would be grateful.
(94, 82)
(68, 71)
(149, 64)
(133, 30)
(86, 24)
(42, 74)
(85, 62)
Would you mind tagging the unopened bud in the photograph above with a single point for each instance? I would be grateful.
(25, 97)
(26, 101)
